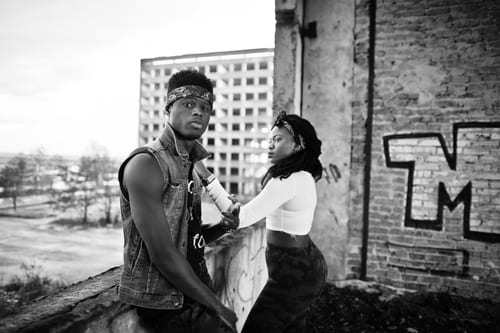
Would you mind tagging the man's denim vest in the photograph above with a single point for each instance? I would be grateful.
(141, 283)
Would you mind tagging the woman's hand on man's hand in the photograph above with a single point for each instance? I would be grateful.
(231, 217)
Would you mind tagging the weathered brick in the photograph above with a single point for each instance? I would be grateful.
(436, 65)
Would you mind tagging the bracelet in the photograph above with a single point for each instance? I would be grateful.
(206, 181)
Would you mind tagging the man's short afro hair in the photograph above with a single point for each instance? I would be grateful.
(189, 77)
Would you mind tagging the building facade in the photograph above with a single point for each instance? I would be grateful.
(238, 131)
(405, 96)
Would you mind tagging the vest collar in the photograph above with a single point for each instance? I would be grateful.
(168, 140)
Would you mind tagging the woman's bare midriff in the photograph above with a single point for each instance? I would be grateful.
(283, 239)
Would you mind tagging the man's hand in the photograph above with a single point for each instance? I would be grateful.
(228, 317)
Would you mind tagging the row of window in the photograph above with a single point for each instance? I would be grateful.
(150, 113)
(249, 81)
(156, 113)
(247, 157)
(249, 127)
(223, 156)
(258, 157)
(238, 81)
(223, 112)
(219, 68)
(261, 96)
(232, 172)
(236, 142)
(152, 127)
(152, 100)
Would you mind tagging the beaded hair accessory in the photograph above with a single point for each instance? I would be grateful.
(185, 91)
(281, 122)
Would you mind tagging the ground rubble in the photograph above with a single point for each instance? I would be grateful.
(356, 306)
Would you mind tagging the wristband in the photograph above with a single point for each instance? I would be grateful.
(206, 181)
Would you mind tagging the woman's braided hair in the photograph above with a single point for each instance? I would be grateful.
(306, 159)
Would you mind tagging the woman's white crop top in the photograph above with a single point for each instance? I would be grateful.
(288, 204)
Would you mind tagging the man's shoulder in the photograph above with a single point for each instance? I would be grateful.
(152, 149)
(140, 163)
(142, 157)
(143, 171)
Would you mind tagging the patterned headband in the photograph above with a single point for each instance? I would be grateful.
(185, 91)
(281, 122)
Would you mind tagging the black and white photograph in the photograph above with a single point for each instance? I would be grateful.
(266, 166)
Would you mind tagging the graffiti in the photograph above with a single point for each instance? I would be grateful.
(470, 166)
(238, 271)
(332, 172)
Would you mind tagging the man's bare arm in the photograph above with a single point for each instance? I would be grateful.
(143, 181)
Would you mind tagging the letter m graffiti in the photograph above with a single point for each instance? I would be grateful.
(436, 178)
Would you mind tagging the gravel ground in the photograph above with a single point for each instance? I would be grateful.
(368, 307)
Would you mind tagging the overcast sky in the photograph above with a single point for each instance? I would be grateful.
(70, 68)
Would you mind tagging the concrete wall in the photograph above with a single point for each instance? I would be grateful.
(313, 77)
(326, 102)
(236, 264)
(287, 57)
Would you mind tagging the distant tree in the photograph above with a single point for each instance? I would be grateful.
(106, 184)
(40, 178)
(13, 178)
(86, 185)
(81, 187)
(109, 195)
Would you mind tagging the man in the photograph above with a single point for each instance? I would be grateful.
(164, 273)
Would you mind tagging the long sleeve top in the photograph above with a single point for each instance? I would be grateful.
(287, 204)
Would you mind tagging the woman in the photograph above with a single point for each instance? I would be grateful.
(297, 269)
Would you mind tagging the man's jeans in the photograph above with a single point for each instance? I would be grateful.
(191, 318)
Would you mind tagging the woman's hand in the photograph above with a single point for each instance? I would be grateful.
(231, 217)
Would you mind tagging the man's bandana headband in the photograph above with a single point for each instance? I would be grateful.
(185, 91)
(281, 122)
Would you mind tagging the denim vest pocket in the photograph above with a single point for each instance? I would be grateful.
(174, 199)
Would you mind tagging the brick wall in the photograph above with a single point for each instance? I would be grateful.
(434, 210)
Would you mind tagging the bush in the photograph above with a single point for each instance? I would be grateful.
(22, 290)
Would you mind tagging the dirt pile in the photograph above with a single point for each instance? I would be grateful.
(368, 307)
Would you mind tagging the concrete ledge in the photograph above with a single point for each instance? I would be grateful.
(236, 264)
(76, 303)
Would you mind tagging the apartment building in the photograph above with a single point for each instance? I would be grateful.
(237, 136)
